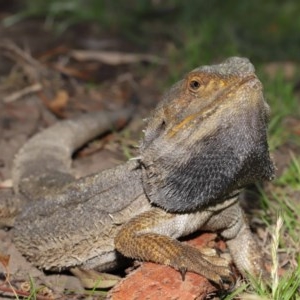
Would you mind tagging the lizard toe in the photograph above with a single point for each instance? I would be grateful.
(217, 260)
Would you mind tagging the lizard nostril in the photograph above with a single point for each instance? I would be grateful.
(255, 84)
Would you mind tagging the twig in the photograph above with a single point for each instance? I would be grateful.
(24, 92)
(32, 68)
(12, 51)
(115, 58)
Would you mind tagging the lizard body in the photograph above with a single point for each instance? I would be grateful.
(204, 142)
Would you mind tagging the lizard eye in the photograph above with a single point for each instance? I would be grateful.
(194, 85)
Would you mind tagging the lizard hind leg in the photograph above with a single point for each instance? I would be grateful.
(144, 238)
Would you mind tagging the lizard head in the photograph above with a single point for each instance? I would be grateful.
(207, 138)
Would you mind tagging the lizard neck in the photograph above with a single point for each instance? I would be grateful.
(185, 179)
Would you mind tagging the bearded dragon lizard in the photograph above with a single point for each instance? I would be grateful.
(204, 142)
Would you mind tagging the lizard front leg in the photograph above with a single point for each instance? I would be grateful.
(233, 226)
(151, 237)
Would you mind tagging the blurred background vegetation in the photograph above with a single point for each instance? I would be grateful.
(200, 31)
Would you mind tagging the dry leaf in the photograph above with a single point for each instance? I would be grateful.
(4, 260)
(59, 103)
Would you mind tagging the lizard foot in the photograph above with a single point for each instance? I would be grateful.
(204, 262)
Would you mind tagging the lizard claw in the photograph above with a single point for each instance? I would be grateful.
(229, 281)
(182, 271)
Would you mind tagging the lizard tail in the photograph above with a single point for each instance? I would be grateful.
(44, 162)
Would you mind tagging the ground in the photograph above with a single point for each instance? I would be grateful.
(73, 85)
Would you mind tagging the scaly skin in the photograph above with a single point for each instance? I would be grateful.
(203, 143)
